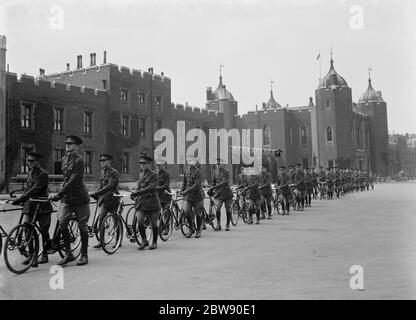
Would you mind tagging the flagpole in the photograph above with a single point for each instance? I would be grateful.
(320, 69)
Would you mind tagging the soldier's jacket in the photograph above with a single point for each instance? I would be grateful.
(108, 187)
(224, 192)
(192, 183)
(308, 181)
(298, 178)
(322, 176)
(283, 182)
(253, 192)
(36, 186)
(73, 190)
(330, 177)
(145, 193)
(314, 179)
(265, 178)
(163, 185)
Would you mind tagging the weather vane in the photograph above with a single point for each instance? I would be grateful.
(221, 66)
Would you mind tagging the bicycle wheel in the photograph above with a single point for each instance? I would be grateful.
(186, 229)
(74, 239)
(21, 248)
(1, 244)
(165, 225)
(96, 228)
(235, 213)
(111, 233)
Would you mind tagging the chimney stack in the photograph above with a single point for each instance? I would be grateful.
(150, 71)
(105, 57)
(67, 66)
(41, 72)
(92, 59)
(79, 62)
(310, 101)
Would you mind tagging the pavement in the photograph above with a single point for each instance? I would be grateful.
(306, 255)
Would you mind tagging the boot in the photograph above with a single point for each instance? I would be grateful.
(217, 227)
(83, 260)
(69, 257)
(155, 235)
(227, 226)
(145, 243)
(198, 234)
(250, 218)
(97, 246)
(43, 259)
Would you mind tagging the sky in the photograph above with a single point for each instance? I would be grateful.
(256, 42)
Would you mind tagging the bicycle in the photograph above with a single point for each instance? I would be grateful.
(173, 218)
(111, 228)
(238, 210)
(322, 190)
(24, 239)
(209, 218)
(293, 202)
(3, 233)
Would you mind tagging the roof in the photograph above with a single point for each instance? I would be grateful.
(332, 78)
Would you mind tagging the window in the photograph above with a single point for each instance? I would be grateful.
(58, 121)
(158, 101)
(329, 134)
(330, 163)
(181, 169)
(158, 125)
(105, 84)
(124, 95)
(266, 135)
(88, 162)
(87, 123)
(125, 124)
(58, 154)
(126, 163)
(328, 103)
(142, 128)
(27, 112)
(290, 136)
(24, 168)
(305, 163)
(303, 135)
(142, 98)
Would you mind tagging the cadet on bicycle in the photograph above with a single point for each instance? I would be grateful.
(163, 186)
(147, 202)
(265, 187)
(252, 193)
(75, 199)
(284, 193)
(36, 186)
(108, 187)
(193, 196)
(222, 194)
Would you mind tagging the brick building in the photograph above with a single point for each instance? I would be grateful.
(117, 110)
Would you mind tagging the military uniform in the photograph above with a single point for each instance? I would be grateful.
(265, 179)
(193, 198)
(284, 192)
(309, 188)
(163, 185)
(75, 199)
(106, 201)
(222, 193)
(37, 186)
(253, 196)
(298, 179)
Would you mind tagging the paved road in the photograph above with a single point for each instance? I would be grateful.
(306, 255)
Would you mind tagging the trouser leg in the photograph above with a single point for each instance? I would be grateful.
(82, 212)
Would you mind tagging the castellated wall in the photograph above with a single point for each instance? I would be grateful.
(44, 96)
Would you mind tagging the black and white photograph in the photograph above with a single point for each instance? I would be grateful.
(190, 150)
